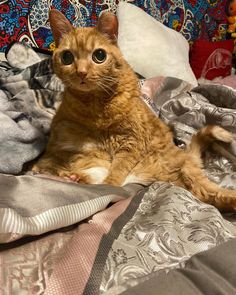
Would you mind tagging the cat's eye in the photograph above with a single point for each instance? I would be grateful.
(67, 57)
(99, 56)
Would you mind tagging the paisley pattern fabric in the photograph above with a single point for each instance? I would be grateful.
(146, 246)
(27, 20)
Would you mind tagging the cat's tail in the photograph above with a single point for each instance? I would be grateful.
(209, 135)
(194, 178)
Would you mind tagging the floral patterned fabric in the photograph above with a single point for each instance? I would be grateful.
(27, 20)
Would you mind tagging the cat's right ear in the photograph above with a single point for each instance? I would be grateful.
(60, 25)
(108, 25)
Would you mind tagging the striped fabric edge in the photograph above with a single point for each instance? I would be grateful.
(95, 277)
(12, 222)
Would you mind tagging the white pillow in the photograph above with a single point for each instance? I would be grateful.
(151, 48)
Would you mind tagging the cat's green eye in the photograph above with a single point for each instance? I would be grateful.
(67, 57)
(99, 56)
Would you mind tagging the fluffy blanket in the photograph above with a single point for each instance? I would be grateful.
(58, 237)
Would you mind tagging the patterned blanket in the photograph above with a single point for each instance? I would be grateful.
(29, 96)
(58, 237)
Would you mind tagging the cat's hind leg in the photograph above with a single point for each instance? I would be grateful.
(185, 169)
(193, 179)
(192, 176)
(209, 135)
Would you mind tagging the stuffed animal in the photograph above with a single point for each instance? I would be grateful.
(232, 18)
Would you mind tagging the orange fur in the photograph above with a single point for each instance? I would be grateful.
(102, 122)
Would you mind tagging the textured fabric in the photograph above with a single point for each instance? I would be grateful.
(31, 205)
(62, 192)
(168, 227)
(65, 279)
(227, 81)
(121, 247)
(28, 99)
(211, 59)
(27, 20)
(211, 272)
(27, 266)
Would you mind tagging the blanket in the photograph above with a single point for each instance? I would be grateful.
(29, 96)
(59, 237)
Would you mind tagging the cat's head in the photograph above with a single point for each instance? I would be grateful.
(86, 59)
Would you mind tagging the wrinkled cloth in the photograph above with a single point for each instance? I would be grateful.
(91, 249)
(28, 99)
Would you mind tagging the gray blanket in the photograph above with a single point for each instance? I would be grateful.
(28, 99)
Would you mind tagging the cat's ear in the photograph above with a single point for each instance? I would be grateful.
(108, 25)
(60, 25)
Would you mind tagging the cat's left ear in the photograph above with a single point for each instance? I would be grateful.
(108, 25)
(60, 25)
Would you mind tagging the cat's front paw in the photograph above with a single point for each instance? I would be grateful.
(39, 170)
(76, 177)
(46, 166)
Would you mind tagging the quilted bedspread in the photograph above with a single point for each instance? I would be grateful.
(59, 237)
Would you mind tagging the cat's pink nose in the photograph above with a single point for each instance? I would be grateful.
(82, 74)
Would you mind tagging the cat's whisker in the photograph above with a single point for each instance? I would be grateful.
(110, 79)
(106, 88)
(107, 85)
(103, 87)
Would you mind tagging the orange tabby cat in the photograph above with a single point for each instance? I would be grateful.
(104, 133)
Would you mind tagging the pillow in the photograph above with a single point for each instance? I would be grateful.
(211, 59)
(151, 48)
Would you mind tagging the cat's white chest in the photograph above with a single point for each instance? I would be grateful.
(97, 174)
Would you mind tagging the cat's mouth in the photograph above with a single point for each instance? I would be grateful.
(83, 85)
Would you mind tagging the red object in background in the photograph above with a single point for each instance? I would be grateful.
(211, 59)
(4, 8)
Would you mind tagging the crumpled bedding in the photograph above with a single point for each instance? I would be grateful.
(226, 81)
(29, 96)
(59, 237)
